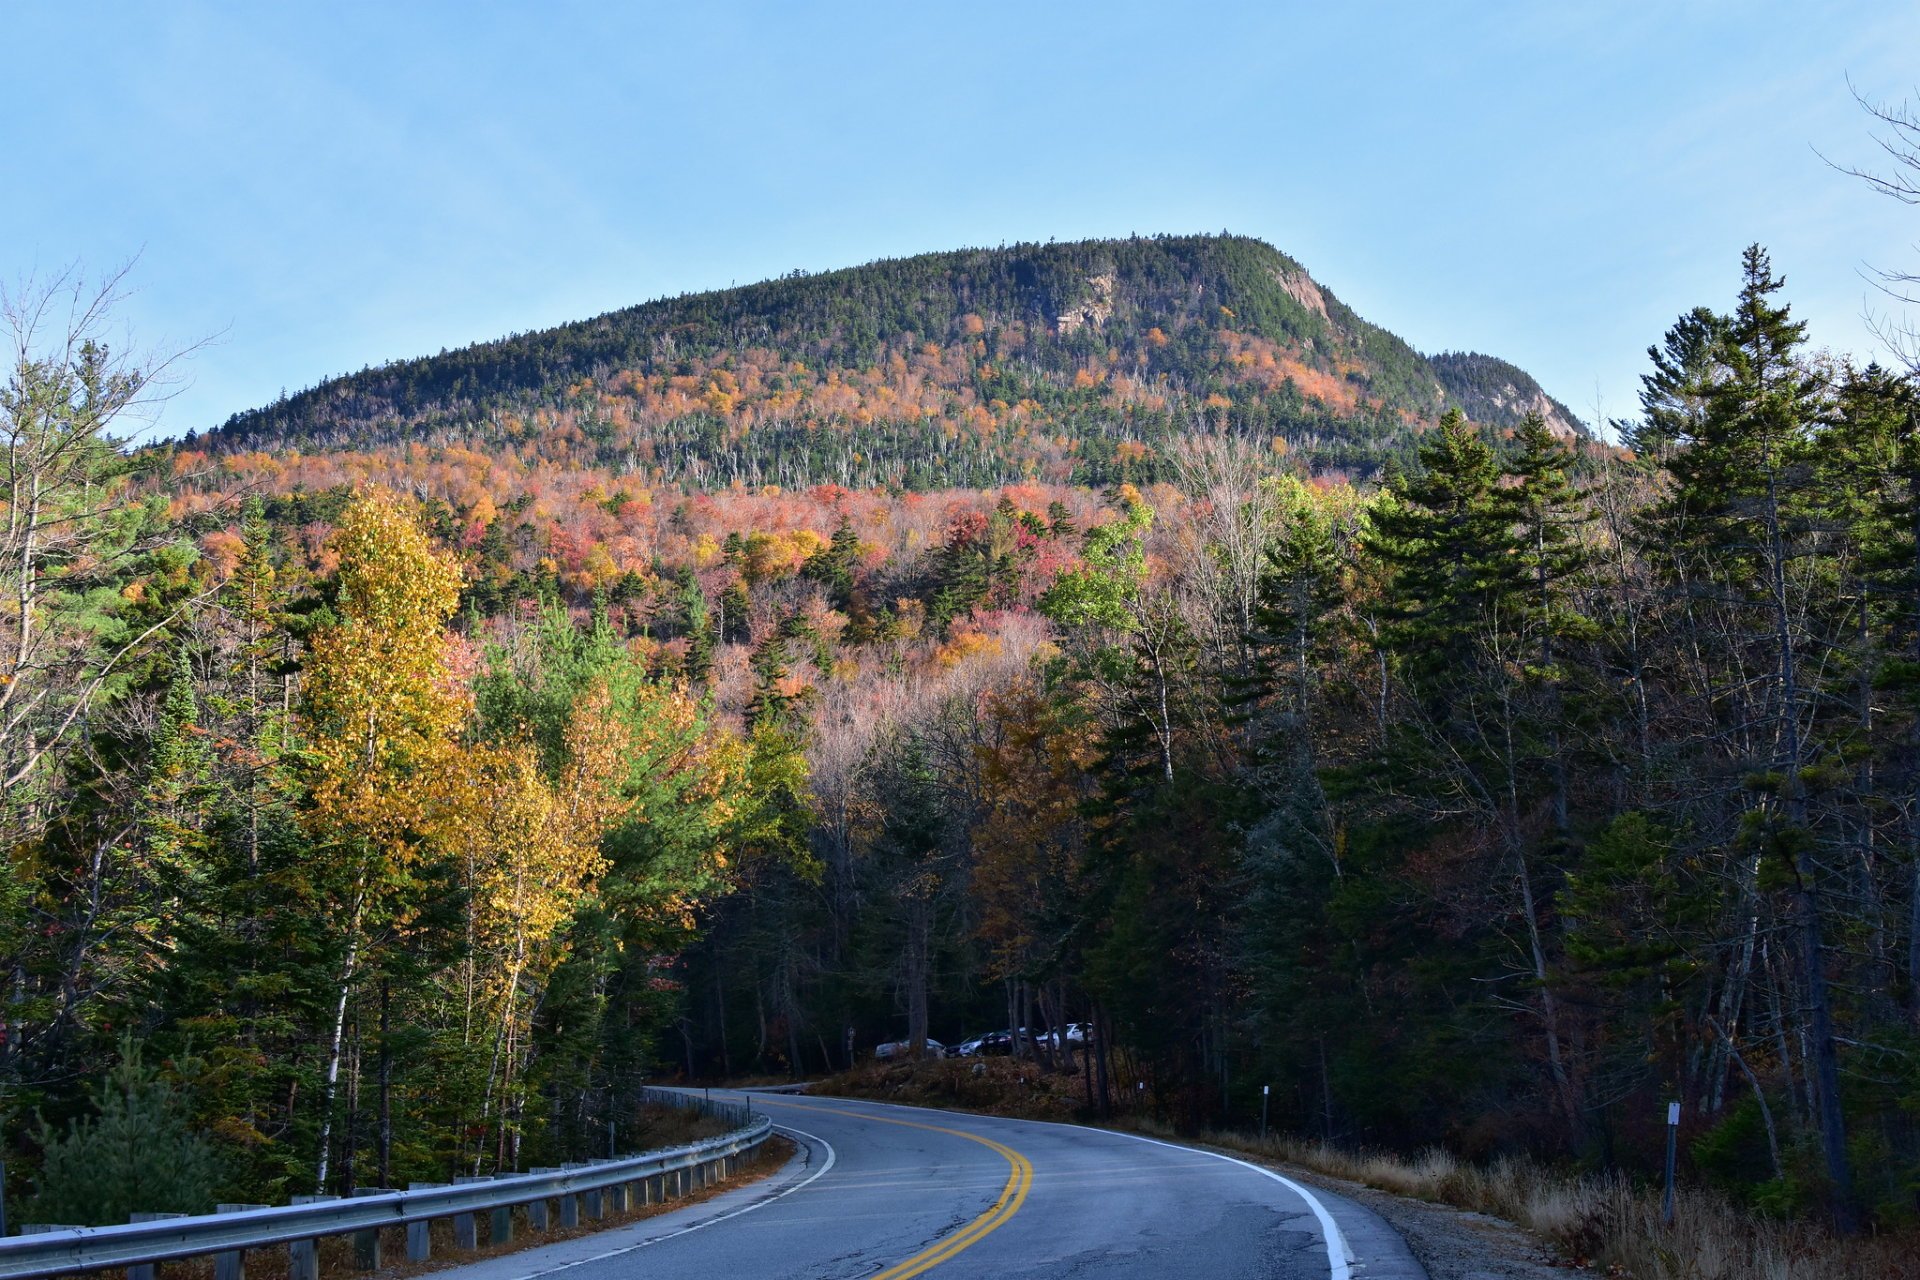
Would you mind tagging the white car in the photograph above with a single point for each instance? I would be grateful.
(901, 1048)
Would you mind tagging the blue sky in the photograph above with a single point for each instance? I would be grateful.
(329, 186)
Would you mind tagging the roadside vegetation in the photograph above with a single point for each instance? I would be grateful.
(1605, 1222)
(390, 809)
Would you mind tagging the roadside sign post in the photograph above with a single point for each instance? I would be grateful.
(1265, 1089)
(1673, 1135)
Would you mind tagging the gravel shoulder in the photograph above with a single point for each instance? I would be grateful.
(1452, 1244)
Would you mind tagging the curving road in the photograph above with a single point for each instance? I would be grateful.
(881, 1192)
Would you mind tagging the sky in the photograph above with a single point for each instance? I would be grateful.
(308, 189)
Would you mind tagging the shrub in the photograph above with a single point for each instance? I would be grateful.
(140, 1154)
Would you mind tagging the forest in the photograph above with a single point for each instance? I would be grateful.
(1064, 363)
(398, 776)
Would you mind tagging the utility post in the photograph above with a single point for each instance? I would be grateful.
(1673, 1136)
(1265, 1089)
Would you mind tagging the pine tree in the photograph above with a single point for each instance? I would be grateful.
(702, 639)
(1546, 512)
(1739, 530)
(1673, 396)
(1464, 630)
(175, 802)
(1444, 534)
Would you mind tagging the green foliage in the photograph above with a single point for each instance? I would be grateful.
(138, 1154)
(1104, 590)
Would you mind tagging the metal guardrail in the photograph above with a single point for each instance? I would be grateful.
(604, 1184)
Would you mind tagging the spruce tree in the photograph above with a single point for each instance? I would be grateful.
(1742, 534)
(1463, 631)
(1444, 534)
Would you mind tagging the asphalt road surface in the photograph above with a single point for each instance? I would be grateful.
(880, 1192)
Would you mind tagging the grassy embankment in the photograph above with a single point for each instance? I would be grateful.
(1605, 1222)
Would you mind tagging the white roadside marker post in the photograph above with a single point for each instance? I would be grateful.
(1673, 1135)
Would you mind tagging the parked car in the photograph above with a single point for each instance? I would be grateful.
(901, 1048)
(993, 1042)
(1074, 1033)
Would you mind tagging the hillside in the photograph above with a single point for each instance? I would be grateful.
(1058, 362)
(1488, 389)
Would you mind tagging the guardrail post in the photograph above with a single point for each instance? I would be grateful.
(366, 1244)
(538, 1217)
(420, 1234)
(303, 1256)
(144, 1270)
(466, 1233)
(675, 1171)
(232, 1265)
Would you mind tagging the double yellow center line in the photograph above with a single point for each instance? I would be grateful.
(1012, 1196)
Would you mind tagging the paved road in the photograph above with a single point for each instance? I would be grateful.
(882, 1192)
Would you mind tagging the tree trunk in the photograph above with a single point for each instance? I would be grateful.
(1824, 1058)
(386, 1086)
(919, 931)
(332, 1074)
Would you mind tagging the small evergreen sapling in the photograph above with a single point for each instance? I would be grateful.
(140, 1154)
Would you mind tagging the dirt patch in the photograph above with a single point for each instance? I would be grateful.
(992, 1086)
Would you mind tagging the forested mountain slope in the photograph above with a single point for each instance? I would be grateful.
(1057, 362)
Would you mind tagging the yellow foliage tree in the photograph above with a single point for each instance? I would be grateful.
(380, 712)
(528, 853)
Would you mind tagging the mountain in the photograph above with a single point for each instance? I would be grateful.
(1488, 389)
(1060, 362)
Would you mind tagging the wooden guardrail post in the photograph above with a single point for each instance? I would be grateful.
(539, 1212)
(366, 1244)
(144, 1270)
(570, 1202)
(303, 1256)
(232, 1265)
(466, 1233)
(420, 1234)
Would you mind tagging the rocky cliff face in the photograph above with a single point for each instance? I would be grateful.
(1488, 389)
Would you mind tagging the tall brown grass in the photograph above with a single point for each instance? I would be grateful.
(1608, 1222)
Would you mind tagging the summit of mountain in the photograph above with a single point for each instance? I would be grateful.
(1062, 362)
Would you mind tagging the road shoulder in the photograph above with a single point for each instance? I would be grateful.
(1449, 1243)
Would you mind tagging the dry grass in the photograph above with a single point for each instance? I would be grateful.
(997, 1086)
(1607, 1222)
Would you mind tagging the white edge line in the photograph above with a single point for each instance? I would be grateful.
(1339, 1254)
(675, 1235)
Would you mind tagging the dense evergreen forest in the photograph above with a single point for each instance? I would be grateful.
(1059, 362)
(385, 806)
